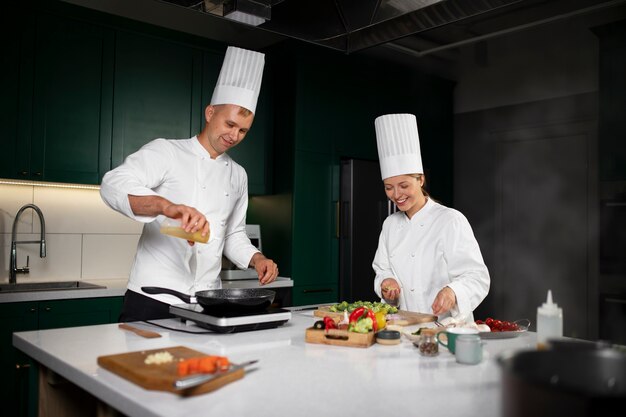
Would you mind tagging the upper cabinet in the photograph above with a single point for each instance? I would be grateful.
(82, 90)
(63, 102)
(157, 92)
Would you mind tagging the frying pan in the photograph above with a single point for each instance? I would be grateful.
(234, 300)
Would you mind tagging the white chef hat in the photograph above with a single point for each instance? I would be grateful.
(239, 81)
(398, 145)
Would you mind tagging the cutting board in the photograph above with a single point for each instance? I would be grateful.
(339, 337)
(406, 318)
(161, 377)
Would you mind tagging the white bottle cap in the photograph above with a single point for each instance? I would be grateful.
(549, 308)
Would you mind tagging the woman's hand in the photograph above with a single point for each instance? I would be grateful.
(444, 301)
(390, 290)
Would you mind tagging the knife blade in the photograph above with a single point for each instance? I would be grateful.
(192, 381)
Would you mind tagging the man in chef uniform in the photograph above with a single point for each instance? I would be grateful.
(427, 259)
(193, 180)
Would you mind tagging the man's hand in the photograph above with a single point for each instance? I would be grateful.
(191, 219)
(444, 301)
(265, 268)
(152, 205)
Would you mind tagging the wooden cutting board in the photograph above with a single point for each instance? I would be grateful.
(407, 318)
(339, 337)
(161, 377)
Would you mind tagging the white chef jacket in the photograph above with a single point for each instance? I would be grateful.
(434, 249)
(183, 172)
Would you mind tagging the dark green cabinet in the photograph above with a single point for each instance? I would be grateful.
(254, 152)
(327, 113)
(9, 99)
(18, 387)
(65, 95)
(314, 216)
(157, 92)
(82, 90)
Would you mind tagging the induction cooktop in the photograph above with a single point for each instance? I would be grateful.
(232, 322)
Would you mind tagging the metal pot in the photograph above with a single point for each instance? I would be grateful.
(575, 380)
(237, 300)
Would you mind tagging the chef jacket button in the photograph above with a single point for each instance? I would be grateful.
(391, 256)
(412, 289)
(226, 163)
(223, 222)
(204, 187)
(226, 193)
(412, 255)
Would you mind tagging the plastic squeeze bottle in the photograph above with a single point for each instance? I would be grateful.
(549, 322)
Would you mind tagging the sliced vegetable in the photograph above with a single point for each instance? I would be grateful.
(202, 364)
(376, 306)
(319, 325)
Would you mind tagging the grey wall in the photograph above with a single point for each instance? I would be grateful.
(526, 173)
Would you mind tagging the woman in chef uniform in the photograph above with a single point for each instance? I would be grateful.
(427, 259)
(193, 180)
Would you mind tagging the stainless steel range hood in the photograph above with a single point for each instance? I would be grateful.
(354, 25)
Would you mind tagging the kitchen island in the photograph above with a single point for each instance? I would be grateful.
(291, 378)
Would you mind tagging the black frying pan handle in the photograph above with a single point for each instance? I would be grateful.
(159, 290)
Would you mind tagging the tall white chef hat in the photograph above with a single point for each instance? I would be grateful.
(398, 145)
(239, 81)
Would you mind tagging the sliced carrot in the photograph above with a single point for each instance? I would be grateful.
(183, 368)
(222, 363)
(207, 364)
(202, 364)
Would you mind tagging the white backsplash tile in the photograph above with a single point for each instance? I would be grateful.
(85, 238)
(81, 211)
(12, 198)
(108, 256)
(62, 261)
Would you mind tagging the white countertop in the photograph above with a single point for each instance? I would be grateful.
(117, 288)
(279, 282)
(114, 288)
(291, 378)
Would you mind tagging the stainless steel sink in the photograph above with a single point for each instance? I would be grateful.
(48, 286)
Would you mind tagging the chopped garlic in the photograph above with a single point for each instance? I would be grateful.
(158, 358)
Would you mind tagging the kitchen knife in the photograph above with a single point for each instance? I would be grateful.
(192, 381)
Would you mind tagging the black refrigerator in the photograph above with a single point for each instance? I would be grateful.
(363, 208)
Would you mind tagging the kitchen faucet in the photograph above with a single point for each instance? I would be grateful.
(14, 270)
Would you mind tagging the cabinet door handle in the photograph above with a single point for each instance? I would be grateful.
(318, 290)
(23, 173)
(37, 174)
(23, 366)
(47, 308)
(32, 310)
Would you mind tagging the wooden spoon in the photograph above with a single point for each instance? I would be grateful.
(143, 333)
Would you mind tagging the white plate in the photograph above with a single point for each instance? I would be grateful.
(523, 324)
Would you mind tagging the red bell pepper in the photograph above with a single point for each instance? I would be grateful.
(372, 316)
(361, 313)
(329, 323)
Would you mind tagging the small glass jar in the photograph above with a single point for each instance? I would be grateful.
(428, 345)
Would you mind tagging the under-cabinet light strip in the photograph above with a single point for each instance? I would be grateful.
(49, 184)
